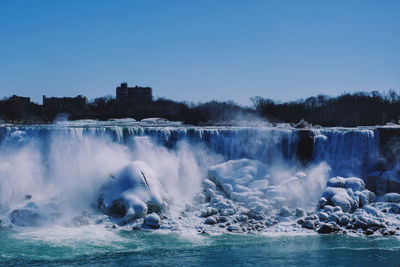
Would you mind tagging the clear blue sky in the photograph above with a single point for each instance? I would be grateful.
(199, 50)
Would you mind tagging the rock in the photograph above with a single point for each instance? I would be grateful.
(133, 190)
(309, 224)
(25, 217)
(285, 212)
(344, 220)
(371, 210)
(237, 172)
(395, 208)
(129, 218)
(270, 222)
(392, 197)
(228, 212)
(309, 213)
(299, 212)
(328, 209)
(374, 223)
(333, 218)
(322, 202)
(209, 211)
(337, 209)
(222, 219)
(325, 228)
(208, 184)
(209, 194)
(323, 216)
(152, 221)
(256, 216)
(243, 218)
(336, 182)
(356, 184)
(360, 224)
(311, 217)
(386, 232)
(369, 231)
(366, 197)
(154, 207)
(234, 229)
(210, 221)
(339, 197)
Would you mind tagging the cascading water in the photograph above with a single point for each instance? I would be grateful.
(54, 173)
(349, 152)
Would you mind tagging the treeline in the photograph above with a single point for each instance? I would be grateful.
(361, 108)
(104, 108)
(198, 114)
(357, 109)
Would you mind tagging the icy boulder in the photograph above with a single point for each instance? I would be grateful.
(346, 193)
(151, 221)
(338, 196)
(27, 216)
(33, 212)
(392, 197)
(132, 193)
(356, 184)
(250, 182)
(235, 176)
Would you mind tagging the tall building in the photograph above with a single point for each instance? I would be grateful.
(135, 94)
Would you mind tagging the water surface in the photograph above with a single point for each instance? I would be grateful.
(115, 248)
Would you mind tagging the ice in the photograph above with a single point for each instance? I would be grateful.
(165, 176)
(133, 192)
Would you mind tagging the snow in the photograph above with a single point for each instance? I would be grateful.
(133, 191)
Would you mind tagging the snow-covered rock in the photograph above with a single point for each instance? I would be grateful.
(285, 212)
(25, 217)
(151, 221)
(132, 193)
(392, 197)
(299, 212)
(210, 220)
(339, 197)
(346, 193)
(237, 172)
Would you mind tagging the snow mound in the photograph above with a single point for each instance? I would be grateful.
(132, 193)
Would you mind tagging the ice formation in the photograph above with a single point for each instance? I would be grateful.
(156, 174)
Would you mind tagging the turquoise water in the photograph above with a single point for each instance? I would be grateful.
(123, 248)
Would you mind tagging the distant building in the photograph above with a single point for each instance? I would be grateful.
(79, 102)
(135, 94)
